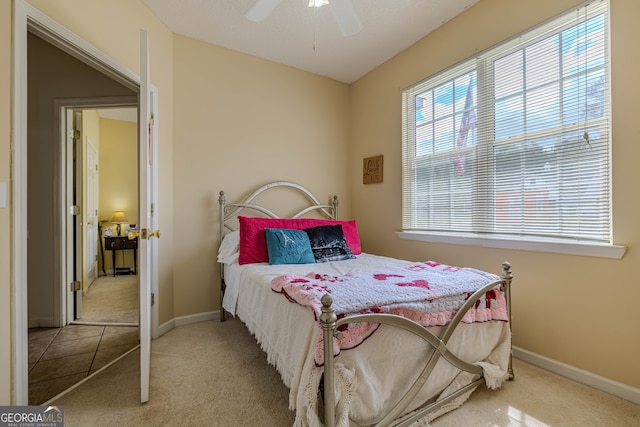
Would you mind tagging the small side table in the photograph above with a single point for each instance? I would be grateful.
(117, 243)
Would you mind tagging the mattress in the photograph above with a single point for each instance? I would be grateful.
(369, 378)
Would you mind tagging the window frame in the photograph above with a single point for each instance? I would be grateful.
(482, 65)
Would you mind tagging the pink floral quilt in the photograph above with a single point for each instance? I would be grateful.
(429, 293)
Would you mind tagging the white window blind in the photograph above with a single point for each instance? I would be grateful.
(515, 141)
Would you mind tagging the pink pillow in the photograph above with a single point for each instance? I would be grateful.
(253, 246)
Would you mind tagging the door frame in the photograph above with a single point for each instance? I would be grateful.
(62, 106)
(27, 18)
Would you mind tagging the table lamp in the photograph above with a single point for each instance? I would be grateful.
(119, 218)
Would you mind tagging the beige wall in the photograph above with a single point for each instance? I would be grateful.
(242, 121)
(577, 310)
(118, 179)
(5, 214)
(116, 142)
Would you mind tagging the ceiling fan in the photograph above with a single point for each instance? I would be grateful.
(342, 10)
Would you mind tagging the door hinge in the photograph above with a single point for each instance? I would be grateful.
(75, 286)
(74, 210)
(153, 209)
(153, 299)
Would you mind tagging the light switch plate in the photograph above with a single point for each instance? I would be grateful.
(3, 195)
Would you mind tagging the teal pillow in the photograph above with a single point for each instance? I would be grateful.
(285, 246)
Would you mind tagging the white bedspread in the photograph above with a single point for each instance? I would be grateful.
(366, 383)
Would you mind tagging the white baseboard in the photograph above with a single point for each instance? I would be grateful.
(41, 322)
(606, 385)
(187, 320)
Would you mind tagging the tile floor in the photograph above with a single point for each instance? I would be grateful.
(60, 357)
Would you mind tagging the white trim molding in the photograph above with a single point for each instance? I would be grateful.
(606, 385)
(187, 320)
(19, 317)
(542, 245)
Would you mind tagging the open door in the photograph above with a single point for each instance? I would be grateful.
(146, 124)
(73, 202)
(147, 193)
(92, 236)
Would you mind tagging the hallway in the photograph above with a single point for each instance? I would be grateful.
(61, 357)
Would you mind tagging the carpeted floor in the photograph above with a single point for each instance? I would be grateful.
(111, 299)
(214, 374)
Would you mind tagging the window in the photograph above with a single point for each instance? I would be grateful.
(514, 142)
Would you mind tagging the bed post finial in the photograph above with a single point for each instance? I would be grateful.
(506, 271)
(335, 206)
(328, 316)
(328, 320)
(221, 199)
(507, 278)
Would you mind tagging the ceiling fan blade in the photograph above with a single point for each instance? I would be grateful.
(261, 9)
(346, 16)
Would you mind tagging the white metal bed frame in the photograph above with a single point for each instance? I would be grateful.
(229, 211)
(330, 323)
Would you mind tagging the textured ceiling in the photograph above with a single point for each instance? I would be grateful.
(309, 38)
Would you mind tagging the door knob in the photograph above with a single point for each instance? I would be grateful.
(132, 235)
(154, 233)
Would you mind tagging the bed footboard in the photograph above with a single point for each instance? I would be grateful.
(330, 323)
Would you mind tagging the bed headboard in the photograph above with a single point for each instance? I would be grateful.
(230, 211)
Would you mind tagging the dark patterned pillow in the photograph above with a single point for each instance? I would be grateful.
(328, 243)
(288, 246)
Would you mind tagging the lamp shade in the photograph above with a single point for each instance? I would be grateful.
(119, 218)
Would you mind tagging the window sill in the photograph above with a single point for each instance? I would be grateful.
(542, 245)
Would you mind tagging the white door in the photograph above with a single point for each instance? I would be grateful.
(73, 201)
(91, 199)
(145, 246)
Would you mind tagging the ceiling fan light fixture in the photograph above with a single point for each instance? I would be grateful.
(318, 3)
(342, 10)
